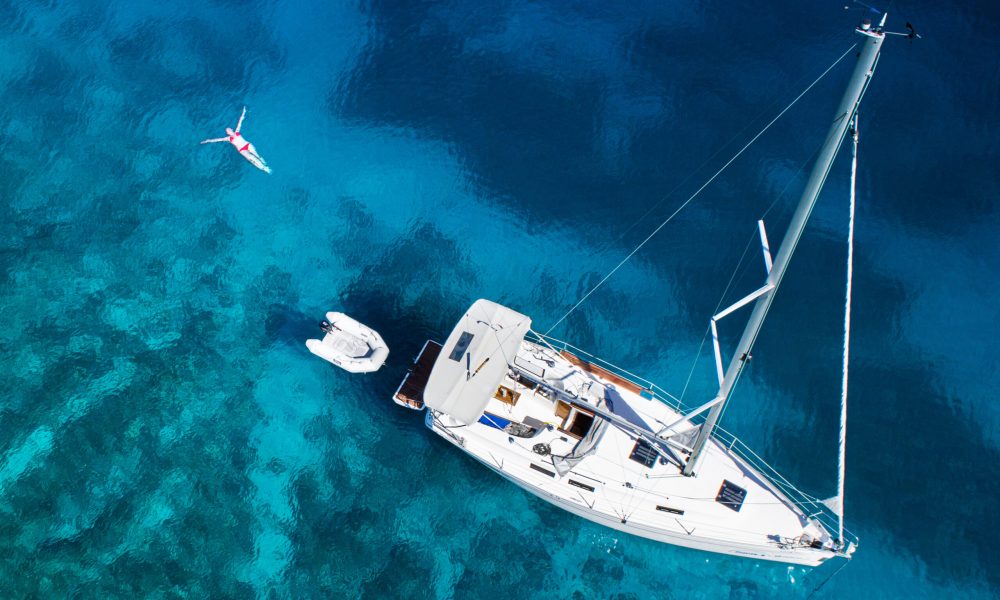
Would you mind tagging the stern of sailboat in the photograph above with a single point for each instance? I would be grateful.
(410, 393)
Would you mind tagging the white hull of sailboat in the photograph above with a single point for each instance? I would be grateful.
(804, 556)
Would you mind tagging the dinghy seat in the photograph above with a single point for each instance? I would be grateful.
(350, 345)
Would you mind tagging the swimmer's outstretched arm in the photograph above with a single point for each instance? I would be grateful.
(240, 123)
(214, 140)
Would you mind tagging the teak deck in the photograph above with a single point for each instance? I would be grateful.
(603, 373)
(411, 391)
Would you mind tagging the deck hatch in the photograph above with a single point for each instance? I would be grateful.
(582, 486)
(461, 346)
(731, 495)
(644, 454)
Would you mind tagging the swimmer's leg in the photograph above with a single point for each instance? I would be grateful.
(256, 160)
(259, 157)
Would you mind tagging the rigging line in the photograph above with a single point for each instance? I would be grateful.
(854, 111)
(626, 483)
(699, 190)
(645, 494)
(766, 212)
(739, 264)
(695, 171)
(722, 298)
(850, 116)
(600, 362)
(633, 499)
(825, 581)
(770, 207)
(705, 337)
(499, 342)
(793, 179)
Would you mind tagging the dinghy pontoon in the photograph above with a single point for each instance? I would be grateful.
(350, 345)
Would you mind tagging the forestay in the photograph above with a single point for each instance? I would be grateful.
(474, 360)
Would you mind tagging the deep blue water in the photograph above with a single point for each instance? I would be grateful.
(164, 432)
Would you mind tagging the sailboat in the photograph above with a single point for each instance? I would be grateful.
(607, 445)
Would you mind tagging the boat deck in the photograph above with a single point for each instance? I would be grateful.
(727, 508)
(410, 392)
(604, 374)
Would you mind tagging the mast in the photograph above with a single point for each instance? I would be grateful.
(867, 57)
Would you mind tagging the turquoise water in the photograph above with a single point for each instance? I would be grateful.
(164, 432)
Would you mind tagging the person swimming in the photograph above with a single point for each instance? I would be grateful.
(244, 147)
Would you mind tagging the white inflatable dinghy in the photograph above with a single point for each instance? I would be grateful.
(349, 345)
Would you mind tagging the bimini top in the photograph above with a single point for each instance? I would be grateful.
(474, 360)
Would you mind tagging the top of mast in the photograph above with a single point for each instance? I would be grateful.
(863, 70)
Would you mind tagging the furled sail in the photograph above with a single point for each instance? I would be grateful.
(565, 464)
